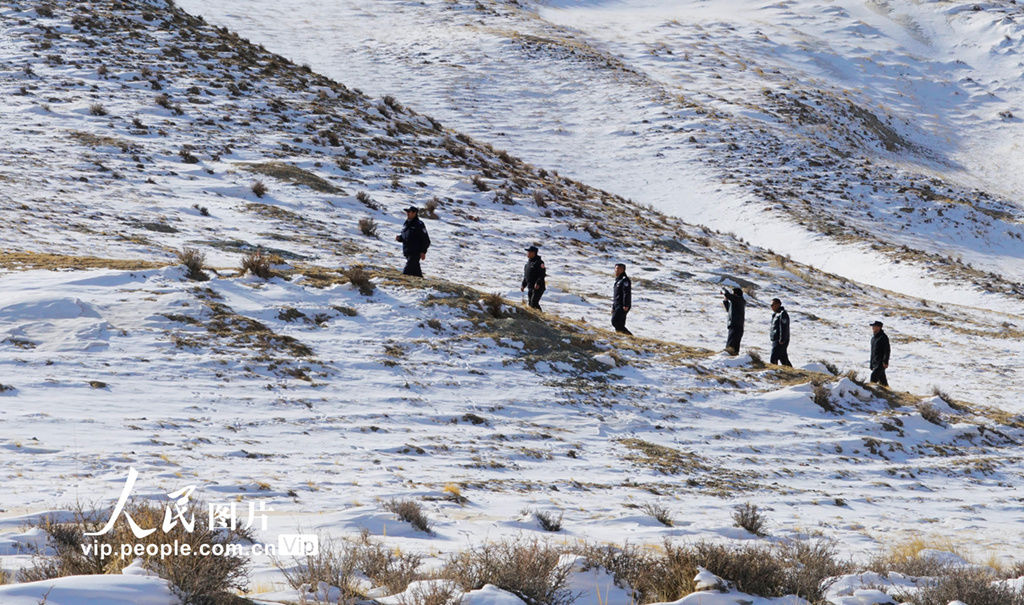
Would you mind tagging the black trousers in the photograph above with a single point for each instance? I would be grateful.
(779, 354)
(619, 321)
(878, 375)
(534, 297)
(412, 266)
(733, 341)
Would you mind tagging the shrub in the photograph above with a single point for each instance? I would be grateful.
(755, 360)
(193, 260)
(749, 517)
(547, 520)
(185, 153)
(540, 199)
(479, 183)
(432, 593)
(365, 199)
(368, 226)
(821, 396)
(360, 279)
(411, 512)
(44, 11)
(97, 109)
(529, 569)
(493, 303)
(333, 566)
(163, 100)
(388, 567)
(259, 189)
(197, 579)
(930, 413)
(800, 568)
(257, 263)
(968, 585)
(430, 208)
(659, 512)
(832, 368)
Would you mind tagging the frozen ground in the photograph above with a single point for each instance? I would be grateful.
(322, 402)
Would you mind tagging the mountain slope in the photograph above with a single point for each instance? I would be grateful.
(136, 130)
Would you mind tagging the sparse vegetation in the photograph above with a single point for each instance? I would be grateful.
(259, 189)
(97, 109)
(292, 174)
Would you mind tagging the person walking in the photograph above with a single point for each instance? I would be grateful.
(736, 306)
(622, 299)
(415, 242)
(533, 277)
(879, 354)
(780, 334)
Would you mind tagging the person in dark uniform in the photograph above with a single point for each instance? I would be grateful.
(415, 241)
(879, 354)
(780, 334)
(533, 277)
(736, 306)
(622, 299)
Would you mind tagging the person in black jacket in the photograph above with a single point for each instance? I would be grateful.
(533, 277)
(780, 334)
(879, 355)
(736, 306)
(622, 299)
(415, 241)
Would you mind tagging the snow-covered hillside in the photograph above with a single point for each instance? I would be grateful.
(134, 130)
(848, 134)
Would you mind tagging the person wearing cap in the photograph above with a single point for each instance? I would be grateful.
(780, 334)
(533, 277)
(879, 354)
(622, 299)
(735, 306)
(415, 242)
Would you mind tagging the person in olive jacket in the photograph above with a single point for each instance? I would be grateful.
(879, 354)
(622, 299)
(780, 334)
(736, 306)
(415, 241)
(533, 277)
